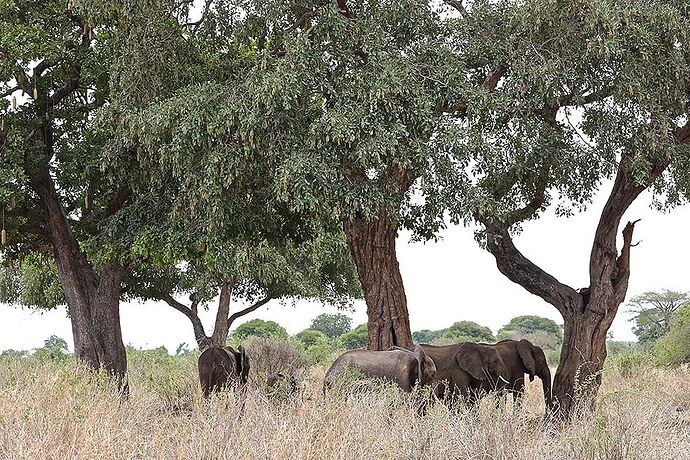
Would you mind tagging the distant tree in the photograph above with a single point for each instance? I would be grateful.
(54, 348)
(309, 337)
(356, 338)
(674, 347)
(56, 343)
(468, 331)
(333, 325)
(259, 328)
(537, 329)
(182, 349)
(654, 312)
(427, 336)
(11, 354)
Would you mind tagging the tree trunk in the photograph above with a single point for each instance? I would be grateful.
(578, 377)
(372, 245)
(93, 303)
(221, 328)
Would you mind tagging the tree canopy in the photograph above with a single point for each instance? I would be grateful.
(522, 326)
(654, 312)
(332, 324)
(259, 328)
(468, 331)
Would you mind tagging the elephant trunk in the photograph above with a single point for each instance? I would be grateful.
(545, 376)
(421, 365)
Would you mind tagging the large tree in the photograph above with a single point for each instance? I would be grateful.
(57, 76)
(369, 73)
(76, 194)
(587, 92)
(336, 103)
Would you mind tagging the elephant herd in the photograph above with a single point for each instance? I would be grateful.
(461, 371)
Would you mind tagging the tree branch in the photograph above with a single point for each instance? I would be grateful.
(457, 5)
(490, 82)
(199, 334)
(517, 268)
(248, 310)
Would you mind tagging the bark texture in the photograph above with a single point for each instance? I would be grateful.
(372, 245)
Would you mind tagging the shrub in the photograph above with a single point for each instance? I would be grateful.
(356, 338)
(270, 356)
(468, 331)
(259, 328)
(309, 337)
(631, 361)
(333, 325)
(674, 347)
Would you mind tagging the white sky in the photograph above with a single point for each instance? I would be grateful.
(447, 281)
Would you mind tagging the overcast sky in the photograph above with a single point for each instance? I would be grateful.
(446, 281)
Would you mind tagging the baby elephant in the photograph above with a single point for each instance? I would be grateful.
(405, 368)
(220, 368)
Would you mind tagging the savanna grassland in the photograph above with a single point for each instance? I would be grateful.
(58, 410)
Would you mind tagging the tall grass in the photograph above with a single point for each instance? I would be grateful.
(52, 410)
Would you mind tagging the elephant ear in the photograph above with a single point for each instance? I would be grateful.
(469, 360)
(420, 356)
(525, 352)
(243, 364)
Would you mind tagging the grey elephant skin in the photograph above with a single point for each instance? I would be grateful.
(221, 368)
(522, 357)
(405, 368)
(467, 369)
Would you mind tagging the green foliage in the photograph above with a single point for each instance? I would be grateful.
(527, 324)
(468, 331)
(318, 346)
(654, 312)
(333, 325)
(631, 361)
(578, 84)
(356, 338)
(33, 283)
(674, 347)
(54, 349)
(259, 328)
(427, 336)
(542, 332)
(309, 337)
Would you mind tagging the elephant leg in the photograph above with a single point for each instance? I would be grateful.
(518, 391)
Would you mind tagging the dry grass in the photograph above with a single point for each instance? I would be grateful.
(59, 411)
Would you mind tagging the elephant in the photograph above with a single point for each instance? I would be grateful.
(467, 370)
(522, 357)
(407, 369)
(220, 368)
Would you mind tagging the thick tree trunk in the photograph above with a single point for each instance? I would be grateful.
(583, 353)
(372, 245)
(93, 303)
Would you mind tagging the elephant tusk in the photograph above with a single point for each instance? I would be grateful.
(504, 380)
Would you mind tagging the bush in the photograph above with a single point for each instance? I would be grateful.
(631, 361)
(333, 325)
(270, 356)
(356, 338)
(468, 331)
(54, 349)
(674, 347)
(259, 328)
(309, 337)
